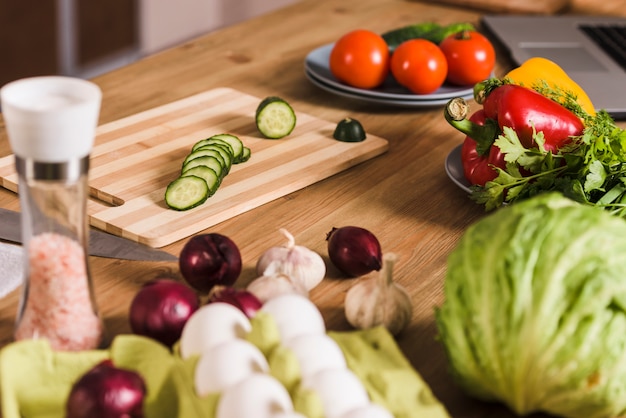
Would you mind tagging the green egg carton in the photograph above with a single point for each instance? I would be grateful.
(35, 380)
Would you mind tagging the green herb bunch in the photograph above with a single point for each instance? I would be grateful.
(591, 169)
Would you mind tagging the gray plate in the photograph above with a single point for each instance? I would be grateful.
(371, 99)
(316, 65)
(454, 169)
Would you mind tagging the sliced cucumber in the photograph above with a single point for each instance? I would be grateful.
(209, 161)
(245, 154)
(186, 193)
(207, 174)
(203, 170)
(224, 152)
(234, 142)
(275, 118)
(205, 152)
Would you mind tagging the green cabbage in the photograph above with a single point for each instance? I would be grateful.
(534, 311)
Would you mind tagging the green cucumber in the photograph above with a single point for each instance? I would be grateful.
(207, 174)
(349, 130)
(417, 30)
(235, 144)
(207, 160)
(245, 154)
(204, 152)
(275, 118)
(430, 31)
(203, 170)
(224, 151)
(186, 193)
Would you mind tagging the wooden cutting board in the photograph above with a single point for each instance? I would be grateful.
(136, 157)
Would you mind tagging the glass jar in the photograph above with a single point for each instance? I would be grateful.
(51, 125)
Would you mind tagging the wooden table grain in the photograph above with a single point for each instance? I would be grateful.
(403, 196)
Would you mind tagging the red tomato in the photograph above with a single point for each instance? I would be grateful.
(419, 65)
(360, 58)
(471, 57)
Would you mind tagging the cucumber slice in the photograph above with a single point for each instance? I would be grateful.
(207, 174)
(205, 152)
(275, 118)
(245, 154)
(209, 141)
(186, 193)
(207, 160)
(224, 152)
(234, 142)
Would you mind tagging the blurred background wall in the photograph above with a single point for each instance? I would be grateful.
(86, 37)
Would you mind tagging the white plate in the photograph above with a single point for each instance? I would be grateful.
(454, 169)
(405, 103)
(316, 64)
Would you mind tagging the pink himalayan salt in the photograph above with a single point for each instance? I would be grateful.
(58, 305)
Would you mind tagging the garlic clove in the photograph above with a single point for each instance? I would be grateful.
(375, 301)
(274, 284)
(303, 265)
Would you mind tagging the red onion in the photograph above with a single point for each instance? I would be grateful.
(354, 251)
(240, 298)
(106, 391)
(210, 259)
(161, 309)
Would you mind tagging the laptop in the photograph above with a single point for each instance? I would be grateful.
(591, 49)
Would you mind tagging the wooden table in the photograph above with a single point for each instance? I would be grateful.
(403, 196)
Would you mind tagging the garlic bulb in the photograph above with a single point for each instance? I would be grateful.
(299, 263)
(377, 300)
(274, 283)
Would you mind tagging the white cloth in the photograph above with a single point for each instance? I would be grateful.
(11, 263)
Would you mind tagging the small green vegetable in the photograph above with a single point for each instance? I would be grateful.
(431, 31)
(349, 130)
(208, 162)
(186, 192)
(535, 309)
(275, 118)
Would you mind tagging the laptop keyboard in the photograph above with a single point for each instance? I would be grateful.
(611, 38)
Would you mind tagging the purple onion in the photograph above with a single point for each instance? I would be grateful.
(161, 309)
(246, 301)
(355, 251)
(106, 391)
(208, 260)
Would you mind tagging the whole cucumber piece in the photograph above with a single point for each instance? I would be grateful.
(431, 31)
(395, 37)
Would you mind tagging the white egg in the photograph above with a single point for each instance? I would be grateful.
(339, 390)
(210, 325)
(368, 411)
(227, 363)
(259, 396)
(294, 315)
(316, 352)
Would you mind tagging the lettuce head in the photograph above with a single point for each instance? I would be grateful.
(534, 314)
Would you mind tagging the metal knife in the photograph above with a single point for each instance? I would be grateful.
(101, 244)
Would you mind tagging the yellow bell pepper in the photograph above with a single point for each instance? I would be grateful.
(536, 69)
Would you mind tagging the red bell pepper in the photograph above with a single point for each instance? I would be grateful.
(523, 109)
(480, 168)
(519, 108)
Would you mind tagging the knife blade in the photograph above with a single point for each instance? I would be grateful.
(101, 244)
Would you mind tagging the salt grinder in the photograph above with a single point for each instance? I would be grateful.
(51, 123)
